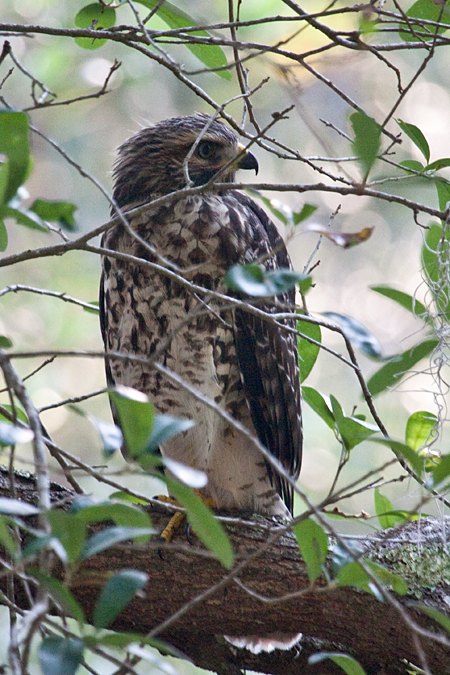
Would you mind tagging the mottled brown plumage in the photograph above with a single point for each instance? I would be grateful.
(246, 365)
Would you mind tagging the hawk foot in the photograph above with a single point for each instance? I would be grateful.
(177, 519)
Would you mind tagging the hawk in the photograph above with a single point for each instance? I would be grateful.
(247, 365)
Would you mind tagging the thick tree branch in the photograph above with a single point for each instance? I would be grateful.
(209, 601)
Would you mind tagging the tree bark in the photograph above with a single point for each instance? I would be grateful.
(340, 620)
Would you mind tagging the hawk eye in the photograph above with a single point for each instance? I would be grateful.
(205, 150)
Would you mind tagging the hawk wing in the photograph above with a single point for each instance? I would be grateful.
(268, 361)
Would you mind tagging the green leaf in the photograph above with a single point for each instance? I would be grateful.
(14, 130)
(98, 17)
(424, 9)
(21, 416)
(419, 428)
(212, 56)
(317, 402)
(307, 351)
(27, 218)
(403, 451)
(344, 661)
(12, 435)
(116, 595)
(312, 542)
(438, 164)
(403, 299)
(254, 280)
(5, 342)
(358, 334)
(62, 596)
(208, 529)
(351, 429)
(343, 556)
(59, 212)
(413, 165)
(60, 655)
(3, 236)
(387, 578)
(417, 137)
(441, 618)
(366, 144)
(442, 470)
(443, 190)
(112, 536)
(136, 415)
(390, 374)
(6, 538)
(125, 514)
(70, 531)
(385, 511)
(306, 211)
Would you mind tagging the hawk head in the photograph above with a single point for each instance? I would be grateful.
(152, 162)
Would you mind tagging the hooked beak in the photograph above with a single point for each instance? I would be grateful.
(248, 160)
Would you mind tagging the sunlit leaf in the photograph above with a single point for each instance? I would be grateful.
(112, 536)
(357, 333)
(60, 594)
(59, 212)
(96, 16)
(317, 402)
(344, 661)
(404, 299)
(212, 56)
(14, 143)
(366, 144)
(419, 428)
(307, 351)
(59, 655)
(312, 542)
(417, 137)
(116, 595)
(254, 280)
(208, 529)
(390, 374)
(12, 435)
(342, 239)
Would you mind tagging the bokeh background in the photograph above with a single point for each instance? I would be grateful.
(142, 92)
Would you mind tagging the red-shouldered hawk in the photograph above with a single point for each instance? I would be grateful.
(247, 365)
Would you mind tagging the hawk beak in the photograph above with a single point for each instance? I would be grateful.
(248, 160)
